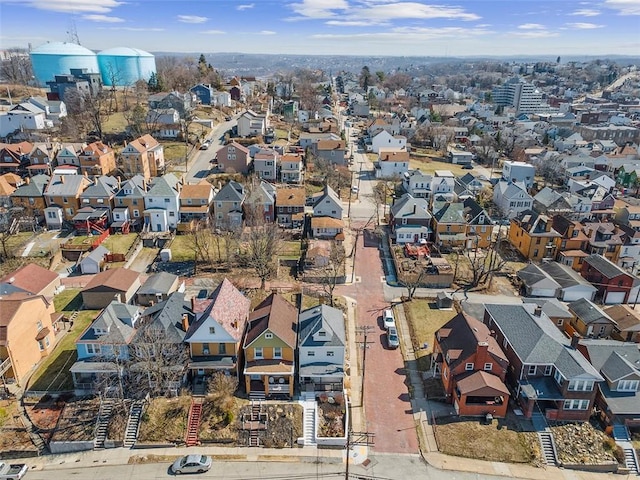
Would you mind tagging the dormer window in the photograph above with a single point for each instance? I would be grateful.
(322, 333)
(628, 386)
(268, 336)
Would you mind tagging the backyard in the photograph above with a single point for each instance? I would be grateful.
(120, 243)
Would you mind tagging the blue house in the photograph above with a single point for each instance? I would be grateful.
(104, 345)
(203, 92)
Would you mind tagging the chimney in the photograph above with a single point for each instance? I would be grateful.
(61, 178)
(481, 354)
(119, 182)
(193, 304)
(538, 311)
(574, 340)
(185, 322)
(27, 180)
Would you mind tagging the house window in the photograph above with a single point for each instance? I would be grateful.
(488, 366)
(627, 386)
(222, 349)
(322, 333)
(167, 200)
(532, 370)
(601, 330)
(39, 325)
(257, 352)
(504, 342)
(135, 201)
(136, 213)
(172, 214)
(468, 366)
(560, 322)
(277, 352)
(330, 353)
(65, 200)
(268, 336)
(580, 385)
(205, 349)
(311, 354)
(212, 330)
(547, 370)
(93, 348)
(576, 404)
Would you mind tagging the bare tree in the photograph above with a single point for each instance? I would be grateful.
(261, 244)
(549, 168)
(202, 243)
(333, 271)
(482, 267)
(16, 67)
(412, 280)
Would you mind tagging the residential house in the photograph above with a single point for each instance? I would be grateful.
(33, 279)
(535, 282)
(458, 156)
(392, 163)
(69, 154)
(327, 204)
(328, 228)
(630, 250)
(627, 213)
(164, 122)
(100, 193)
(215, 337)
(384, 139)
(143, 156)
(318, 254)
(14, 155)
(321, 348)
(30, 195)
(157, 288)
(450, 225)
(291, 168)
(604, 238)
(62, 197)
(553, 308)
(549, 202)
(233, 158)
(97, 159)
(41, 158)
(104, 347)
(129, 203)
(547, 372)
(628, 175)
(443, 186)
(572, 285)
(533, 236)
(23, 117)
(614, 284)
(573, 241)
(116, 283)
(310, 140)
(332, 151)
(410, 219)
(269, 348)
(618, 396)
(512, 199)
(94, 260)
(195, 202)
(417, 184)
(203, 93)
(260, 204)
(467, 186)
(589, 320)
(627, 328)
(472, 367)
(161, 204)
(479, 224)
(252, 124)
(183, 103)
(227, 205)
(26, 333)
(265, 164)
(290, 202)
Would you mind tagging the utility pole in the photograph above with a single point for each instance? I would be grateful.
(359, 438)
(350, 194)
(365, 329)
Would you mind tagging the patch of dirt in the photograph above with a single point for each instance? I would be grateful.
(77, 421)
(219, 425)
(117, 424)
(582, 443)
(331, 415)
(283, 426)
(13, 435)
(45, 415)
(165, 420)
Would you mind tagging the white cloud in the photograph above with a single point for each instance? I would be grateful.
(318, 8)
(584, 26)
(74, 6)
(624, 7)
(267, 32)
(586, 12)
(531, 26)
(535, 34)
(412, 10)
(245, 6)
(213, 32)
(411, 35)
(135, 29)
(102, 18)
(191, 19)
(348, 23)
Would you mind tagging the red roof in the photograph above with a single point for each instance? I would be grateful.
(31, 278)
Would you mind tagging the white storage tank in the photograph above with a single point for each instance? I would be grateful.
(165, 255)
(124, 66)
(57, 58)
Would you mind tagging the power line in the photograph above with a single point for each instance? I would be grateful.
(365, 329)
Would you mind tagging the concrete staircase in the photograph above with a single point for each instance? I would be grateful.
(548, 447)
(309, 406)
(104, 416)
(630, 458)
(621, 433)
(257, 396)
(193, 423)
(133, 424)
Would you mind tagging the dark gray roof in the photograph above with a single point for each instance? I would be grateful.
(410, 207)
(160, 282)
(564, 275)
(536, 340)
(231, 192)
(104, 186)
(534, 277)
(589, 312)
(115, 319)
(136, 184)
(35, 187)
(321, 317)
(167, 316)
(552, 307)
(449, 212)
(605, 266)
(165, 186)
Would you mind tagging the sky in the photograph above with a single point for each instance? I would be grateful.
(340, 27)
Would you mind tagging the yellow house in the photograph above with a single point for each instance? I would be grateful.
(269, 348)
(26, 333)
(533, 236)
(463, 224)
(215, 337)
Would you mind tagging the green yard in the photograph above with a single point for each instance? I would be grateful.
(427, 164)
(290, 250)
(182, 248)
(15, 243)
(120, 243)
(174, 151)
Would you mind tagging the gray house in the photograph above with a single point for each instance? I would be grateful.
(157, 288)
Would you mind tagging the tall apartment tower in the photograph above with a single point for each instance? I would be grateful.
(525, 97)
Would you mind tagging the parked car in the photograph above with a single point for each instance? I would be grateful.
(12, 471)
(392, 337)
(355, 189)
(467, 166)
(191, 464)
(388, 319)
(205, 145)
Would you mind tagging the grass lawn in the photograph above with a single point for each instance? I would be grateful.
(174, 151)
(426, 164)
(15, 243)
(424, 319)
(493, 442)
(290, 250)
(165, 420)
(182, 248)
(68, 300)
(53, 373)
(116, 123)
(119, 243)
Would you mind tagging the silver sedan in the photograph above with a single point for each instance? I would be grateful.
(191, 464)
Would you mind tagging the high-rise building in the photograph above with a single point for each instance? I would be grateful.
(525, 97)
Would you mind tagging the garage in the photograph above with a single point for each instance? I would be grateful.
(614, 298)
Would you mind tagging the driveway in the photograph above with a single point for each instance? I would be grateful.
(386, 398)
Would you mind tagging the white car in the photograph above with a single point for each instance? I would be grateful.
(355, 189)
(192, 464)
(388, 319)
(392, 338)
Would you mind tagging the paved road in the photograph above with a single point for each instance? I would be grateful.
(200, 163)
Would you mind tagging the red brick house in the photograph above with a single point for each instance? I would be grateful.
(472, 367)
(614, 284)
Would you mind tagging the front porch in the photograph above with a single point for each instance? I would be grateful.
(273, 378)
(542, 394)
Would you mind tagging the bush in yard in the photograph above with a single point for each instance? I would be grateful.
(222, 387)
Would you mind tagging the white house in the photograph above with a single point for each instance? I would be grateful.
(92, 262)
(328, 204)
(23, 117)
(392, 163)
(321, 348)
(161, 204)
(385, 140)
(459, 157)
(511, 198)
(221, 99)
(443, 185)
(265, 164)
(417, 184)
(518, 172)
(251, 124)
(291, 168)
